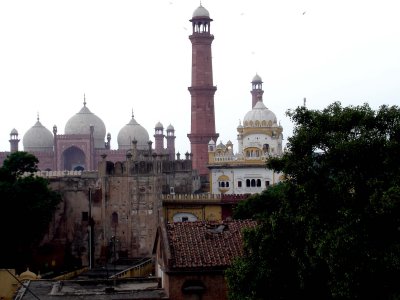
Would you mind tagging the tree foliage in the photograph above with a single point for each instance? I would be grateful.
(26, 208)
(332, 229)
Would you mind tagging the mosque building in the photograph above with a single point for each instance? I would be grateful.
(83, 143)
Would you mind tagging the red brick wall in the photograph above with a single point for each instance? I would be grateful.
(215, 286)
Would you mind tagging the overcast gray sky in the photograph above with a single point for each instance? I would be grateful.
(136, 55)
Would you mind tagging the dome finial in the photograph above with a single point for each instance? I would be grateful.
(37, 118)
(132, 114)
(84, 99)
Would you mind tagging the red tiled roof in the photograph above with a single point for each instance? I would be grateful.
(195, 245)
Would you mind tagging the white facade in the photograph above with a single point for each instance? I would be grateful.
(259, 137)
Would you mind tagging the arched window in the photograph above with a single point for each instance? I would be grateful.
(258, 182)
(253, 183)
(247, 182)
(184, 217)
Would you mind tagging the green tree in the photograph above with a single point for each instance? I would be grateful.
(26, 208)
(332, 229)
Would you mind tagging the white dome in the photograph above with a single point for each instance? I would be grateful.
(14, 132)
(259, 116)
(81, 122)
(159, 125)
(201, 12)
(38, 138)
(133, 131)
(257, 78)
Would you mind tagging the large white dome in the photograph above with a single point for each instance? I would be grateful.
(81, 122)
(38, 138)
(133, 131)
(259, 116)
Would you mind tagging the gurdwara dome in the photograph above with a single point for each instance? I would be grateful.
(259, 116)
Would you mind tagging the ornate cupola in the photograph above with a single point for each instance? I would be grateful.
(257, 90)
(14, 140)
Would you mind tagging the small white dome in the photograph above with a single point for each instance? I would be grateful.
(38, 138)
(259, 116)
(256, 78)
(81, 122)
(211, 142)
(133, 131)
(14, 132)
(159, 126)
(170, 128)
(201, 12)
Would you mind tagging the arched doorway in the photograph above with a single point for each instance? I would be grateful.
(74, 159)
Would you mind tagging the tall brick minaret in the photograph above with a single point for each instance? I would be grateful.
(202, 92)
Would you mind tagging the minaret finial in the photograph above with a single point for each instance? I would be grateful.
(132, 113)
(304, 102)
(37, 116)
(84, 99)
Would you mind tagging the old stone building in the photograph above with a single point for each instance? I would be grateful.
(113, 212)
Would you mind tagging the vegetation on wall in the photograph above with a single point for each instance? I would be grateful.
(331, 230)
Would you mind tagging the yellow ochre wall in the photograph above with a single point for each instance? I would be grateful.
(8, 284)
(203, 213)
